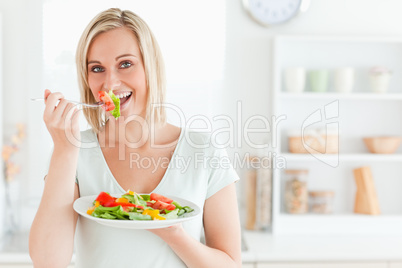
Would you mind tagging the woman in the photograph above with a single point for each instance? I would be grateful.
(118, 52)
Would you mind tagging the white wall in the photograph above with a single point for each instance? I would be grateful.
(2, 185)
(21, 42)
(247, 57)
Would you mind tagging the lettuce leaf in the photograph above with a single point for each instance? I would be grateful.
(116, 101)
(171, 214)
(139, 217)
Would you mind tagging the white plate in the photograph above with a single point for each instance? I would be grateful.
(82, 204)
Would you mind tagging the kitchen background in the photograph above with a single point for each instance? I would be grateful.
(217, 59)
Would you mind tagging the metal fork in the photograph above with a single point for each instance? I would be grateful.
(95, 105)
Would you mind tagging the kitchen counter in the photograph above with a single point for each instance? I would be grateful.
(265, 248)
(14, 248)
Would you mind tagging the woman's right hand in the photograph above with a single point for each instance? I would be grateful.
(61, 121)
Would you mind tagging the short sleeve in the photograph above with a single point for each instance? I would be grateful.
(222, 172)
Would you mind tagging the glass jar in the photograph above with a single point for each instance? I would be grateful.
(296, 195)
(321, 202)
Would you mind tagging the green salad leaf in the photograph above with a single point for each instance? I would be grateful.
(116, 101)
(170, 215)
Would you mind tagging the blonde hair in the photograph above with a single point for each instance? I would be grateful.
(152, 57)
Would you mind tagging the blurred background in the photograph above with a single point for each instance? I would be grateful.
(221, 62)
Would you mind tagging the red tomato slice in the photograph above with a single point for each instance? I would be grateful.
(104, 198)
(162, 205)
(107, 100)
(159, 197)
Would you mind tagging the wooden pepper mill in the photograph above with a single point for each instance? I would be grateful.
(366, 201)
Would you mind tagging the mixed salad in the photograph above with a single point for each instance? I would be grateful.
(111, 103)
(133, 206)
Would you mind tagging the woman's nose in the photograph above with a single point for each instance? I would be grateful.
(112, 81)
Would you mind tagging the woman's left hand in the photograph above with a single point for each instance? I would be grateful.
(168, 233)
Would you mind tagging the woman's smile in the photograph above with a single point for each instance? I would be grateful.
(125, 99)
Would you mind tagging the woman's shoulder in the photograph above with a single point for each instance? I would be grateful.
(196, 137)
(195, 141)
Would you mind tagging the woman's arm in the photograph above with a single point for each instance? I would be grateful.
(222, 234)
(52, 231)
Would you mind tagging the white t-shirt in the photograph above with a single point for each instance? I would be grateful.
(193, 173)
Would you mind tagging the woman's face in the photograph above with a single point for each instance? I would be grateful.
(115, 63)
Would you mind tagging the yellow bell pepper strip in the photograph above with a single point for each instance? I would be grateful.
(154, 214)
(92, 209)
(121, 200)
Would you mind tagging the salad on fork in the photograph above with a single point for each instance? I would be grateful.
(108, 101)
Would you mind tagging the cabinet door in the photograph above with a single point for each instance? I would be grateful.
(324, 265)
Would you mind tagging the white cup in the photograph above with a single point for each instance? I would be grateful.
(380, 82)
(344, 79)
(295, 79)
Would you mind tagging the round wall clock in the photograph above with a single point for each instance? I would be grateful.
(272, 12)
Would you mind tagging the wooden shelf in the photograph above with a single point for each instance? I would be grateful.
(344, 157)
(341, 38)
(341, 96)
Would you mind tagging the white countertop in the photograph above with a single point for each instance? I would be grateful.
(264, 247)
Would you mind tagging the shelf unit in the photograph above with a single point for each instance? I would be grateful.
(359, 114)
(366, 157)
(340, 96)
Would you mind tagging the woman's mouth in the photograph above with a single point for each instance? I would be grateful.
(124, 97)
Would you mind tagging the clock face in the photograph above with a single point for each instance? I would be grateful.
(269, 12)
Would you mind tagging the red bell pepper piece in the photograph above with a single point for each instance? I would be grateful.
(107, 100)
(162, 206)
(159, 197)
(105, 198)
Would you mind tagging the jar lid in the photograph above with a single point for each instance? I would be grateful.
(296, 171)
(321, 193)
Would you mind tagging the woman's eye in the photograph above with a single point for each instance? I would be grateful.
(125, 64)
(96, 69)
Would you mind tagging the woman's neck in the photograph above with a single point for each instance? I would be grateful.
(133, 133)
(137, 134)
